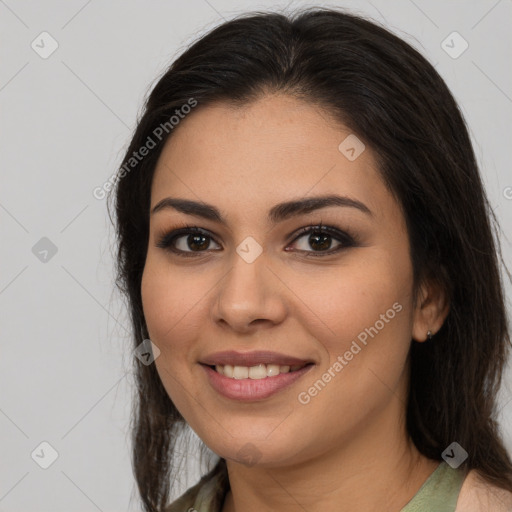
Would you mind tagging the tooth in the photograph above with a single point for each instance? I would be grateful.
(241, 372)
(272, 369)
(258, 372)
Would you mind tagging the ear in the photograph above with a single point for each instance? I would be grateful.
(431, 310)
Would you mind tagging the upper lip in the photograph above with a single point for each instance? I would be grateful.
(234, 358)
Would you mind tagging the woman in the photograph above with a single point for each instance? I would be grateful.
(304, 237)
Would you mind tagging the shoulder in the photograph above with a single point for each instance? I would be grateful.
(186, 500)
(477, 495)
(207, 495)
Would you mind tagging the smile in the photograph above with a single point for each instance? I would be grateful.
(260, 371)
(242, 387)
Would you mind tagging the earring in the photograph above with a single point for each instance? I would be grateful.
(429, 335)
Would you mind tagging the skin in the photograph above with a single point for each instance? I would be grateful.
(347, 449)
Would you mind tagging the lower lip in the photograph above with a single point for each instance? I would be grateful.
(248, 390)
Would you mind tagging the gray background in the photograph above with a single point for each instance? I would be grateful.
(65, 370)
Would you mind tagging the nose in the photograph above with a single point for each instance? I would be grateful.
(249, 295)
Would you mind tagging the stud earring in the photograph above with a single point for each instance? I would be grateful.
(429, 335)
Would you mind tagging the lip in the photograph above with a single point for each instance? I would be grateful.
(254, 358)
(250, 390)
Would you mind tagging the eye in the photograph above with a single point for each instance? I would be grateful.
(190, 241)
(190, 237)
(320, 238)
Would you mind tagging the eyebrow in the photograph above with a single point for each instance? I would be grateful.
(277, 213)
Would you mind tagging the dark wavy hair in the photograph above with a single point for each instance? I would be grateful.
(393, 99)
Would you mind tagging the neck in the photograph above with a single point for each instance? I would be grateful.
(378, 467)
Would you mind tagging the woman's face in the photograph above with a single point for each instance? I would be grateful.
(339, 300)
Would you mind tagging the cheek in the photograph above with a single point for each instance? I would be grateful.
(365, 346)
(157, 303)
(164, 307)
(368, 312)
(169, 302)
(357, 297)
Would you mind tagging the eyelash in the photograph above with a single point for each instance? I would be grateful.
(346, 239)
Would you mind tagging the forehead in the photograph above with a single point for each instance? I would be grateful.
(271, 149)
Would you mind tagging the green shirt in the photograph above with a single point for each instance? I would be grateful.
(439, 493)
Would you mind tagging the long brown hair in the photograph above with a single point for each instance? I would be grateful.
(395, 101)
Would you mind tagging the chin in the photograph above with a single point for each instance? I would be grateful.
(255, 452)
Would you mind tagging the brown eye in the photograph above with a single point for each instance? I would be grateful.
(320, 239)
(186, 240)
(194, 242)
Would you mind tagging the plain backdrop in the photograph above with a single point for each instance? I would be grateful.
(66, 365)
